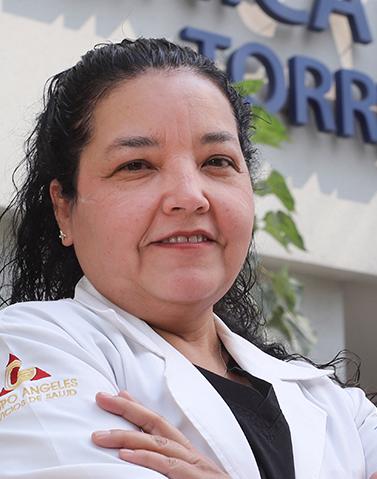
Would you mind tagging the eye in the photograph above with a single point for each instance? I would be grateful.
(134, 165)
(219, 162)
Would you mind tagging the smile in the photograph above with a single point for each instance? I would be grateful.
(185, 239)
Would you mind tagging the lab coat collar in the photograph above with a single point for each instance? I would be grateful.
(257, 363)
(133, 328)
(262, 364)
(306, 420)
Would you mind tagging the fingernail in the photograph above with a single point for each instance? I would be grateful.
(125, 395)
(101, 434)
(105, 395)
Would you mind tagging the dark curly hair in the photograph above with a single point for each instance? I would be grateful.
(37, 266)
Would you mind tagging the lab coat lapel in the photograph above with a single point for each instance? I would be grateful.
(209, 414)
(200, 402)
(307, 422)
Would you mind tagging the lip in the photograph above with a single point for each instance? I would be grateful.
(205, 233)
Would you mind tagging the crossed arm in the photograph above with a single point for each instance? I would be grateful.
(158, 446)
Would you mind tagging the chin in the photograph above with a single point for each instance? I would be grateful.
(192, 291)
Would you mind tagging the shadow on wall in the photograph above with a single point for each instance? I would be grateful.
(75, 13)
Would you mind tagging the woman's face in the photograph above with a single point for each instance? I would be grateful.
(164, 164)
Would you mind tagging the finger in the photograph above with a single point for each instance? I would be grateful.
(172, 467)
(146, 419)
(374, 476)
(126, 395)
(120, 439)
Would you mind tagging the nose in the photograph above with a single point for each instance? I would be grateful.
(185, 193)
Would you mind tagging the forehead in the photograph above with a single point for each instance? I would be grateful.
(163, 103)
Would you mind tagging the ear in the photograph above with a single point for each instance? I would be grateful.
(63, 212)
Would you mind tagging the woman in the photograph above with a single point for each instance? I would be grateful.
(138, 190)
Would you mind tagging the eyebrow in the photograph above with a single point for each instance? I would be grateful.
(217, 137)
(132, 142)
(146, 141)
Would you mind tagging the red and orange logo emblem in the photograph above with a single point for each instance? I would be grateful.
(15, 376)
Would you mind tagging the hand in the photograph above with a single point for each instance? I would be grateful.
(374, 476)
(159, 446)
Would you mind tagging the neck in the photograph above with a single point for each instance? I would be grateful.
(200, 344)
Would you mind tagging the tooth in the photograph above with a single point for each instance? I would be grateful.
(182, 239)
(185, 239)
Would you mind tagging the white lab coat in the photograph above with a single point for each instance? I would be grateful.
(88, 345)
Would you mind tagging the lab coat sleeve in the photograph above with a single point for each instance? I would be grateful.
(365, 414)
(48, 382)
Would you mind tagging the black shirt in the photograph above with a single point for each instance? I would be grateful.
(257, 411)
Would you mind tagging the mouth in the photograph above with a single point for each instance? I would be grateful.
(180, 239)
(186, 238)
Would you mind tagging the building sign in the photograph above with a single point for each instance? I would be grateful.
(339, 118)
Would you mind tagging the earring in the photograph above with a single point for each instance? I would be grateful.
(62, 235)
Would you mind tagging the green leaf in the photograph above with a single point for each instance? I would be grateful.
(248, 87)
(277, 323)
(268, 129)
(281, 226)
(305, 337)
(284, 288)
(276, 185)
(282, 296)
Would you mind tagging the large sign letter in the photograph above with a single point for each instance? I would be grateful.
(284, 14)
(301, 96)
(276, 83)
(207, 42)
(354, 11)
(347, 108)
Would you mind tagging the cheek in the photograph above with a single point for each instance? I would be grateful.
(111, 222)
(238, 214)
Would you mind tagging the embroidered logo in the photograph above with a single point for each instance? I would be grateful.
(15, 376)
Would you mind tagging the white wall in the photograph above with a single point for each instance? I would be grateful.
(361, 327)
(322, 302)
(342, 310)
